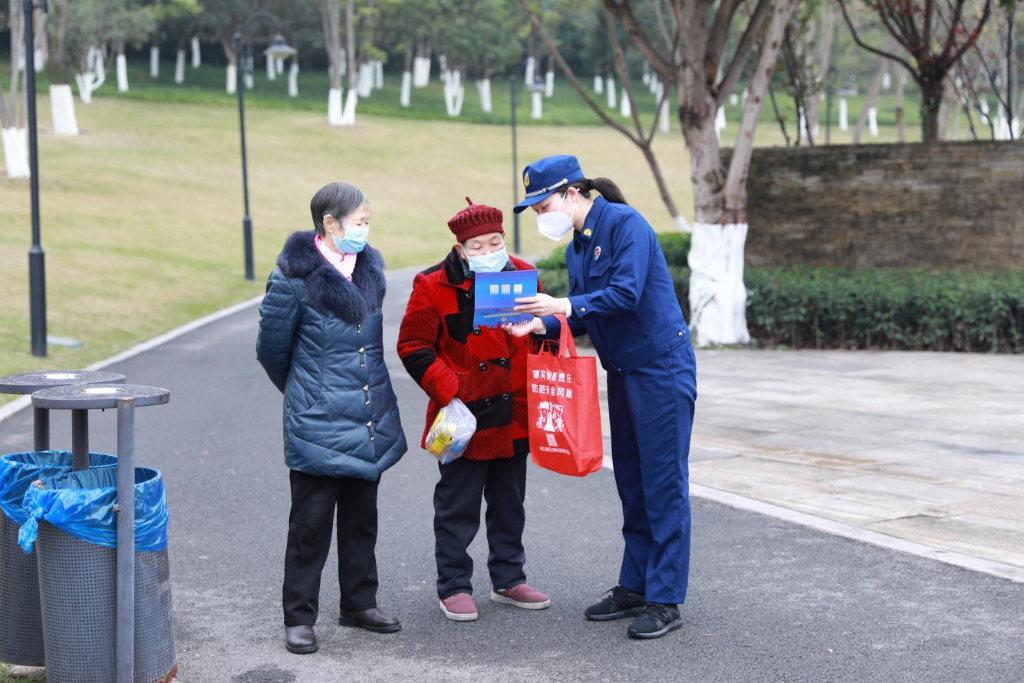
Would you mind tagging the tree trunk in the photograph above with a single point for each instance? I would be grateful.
(293, 77)
(828, 32)
(869, 100)
(122, 70)
(931, 102)
(403, 98)
(179, 64)
(349, 115)
(197, 56)
(901, 119)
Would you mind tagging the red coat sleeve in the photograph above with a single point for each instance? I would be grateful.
(418, 344)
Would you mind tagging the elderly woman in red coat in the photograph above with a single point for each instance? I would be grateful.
(486, 369)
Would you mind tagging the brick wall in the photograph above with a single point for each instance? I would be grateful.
(952, 205)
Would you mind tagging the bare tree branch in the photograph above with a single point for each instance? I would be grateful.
(624, 13)
(720, 29)
(880, 53)
(743, 50)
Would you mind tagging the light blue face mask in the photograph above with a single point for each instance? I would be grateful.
(489, 263)
(356, 237)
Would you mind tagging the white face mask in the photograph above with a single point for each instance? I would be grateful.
(489, 263)
(554, 224)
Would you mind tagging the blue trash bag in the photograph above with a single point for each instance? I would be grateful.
(82, 504)
(18, 470)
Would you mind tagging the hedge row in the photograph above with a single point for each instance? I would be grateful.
(865, 308)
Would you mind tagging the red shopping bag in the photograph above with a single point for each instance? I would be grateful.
(563, 409)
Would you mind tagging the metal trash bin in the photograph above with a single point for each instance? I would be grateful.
(75, 544)
(21, 626)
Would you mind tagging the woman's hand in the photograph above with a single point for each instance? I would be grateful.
(541, 305)
(535, 326)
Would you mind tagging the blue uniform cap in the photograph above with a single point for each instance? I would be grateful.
(550, 174)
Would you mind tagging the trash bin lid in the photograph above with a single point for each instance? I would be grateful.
(31, 382)
(91, 396)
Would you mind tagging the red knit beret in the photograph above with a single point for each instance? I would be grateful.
(475, 220)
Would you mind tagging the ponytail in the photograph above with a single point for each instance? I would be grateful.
(608, 189)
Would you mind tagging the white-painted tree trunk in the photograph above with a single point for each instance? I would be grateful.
(653, 85)
(454, 92)
(348, 117)
(62, 107)
(537, 105)
(646, 77)
(197, 57)
(293, 80)
(15, 142)
(378, 75)
(271, 69)
(549, 84)
(720, 122)
(610, 89)
(734, 99)
(956, 120)
(886, 81)
(364, 81)
(334, 108)
(598, 85)
(681, 224)
(531, 66)
(279, 64)
(154, 62)
(40, 60)
(122, 73)
(484, 88)
(844, 114)
(231, 83)
(442, 68)
(404, 97)
(179, 68)
(625, 109)
(663, 117)
(718, 297)
(421, 72)
(873, 121)
(1015, 127)
(250, 82)
(801, 122)
(84, 82)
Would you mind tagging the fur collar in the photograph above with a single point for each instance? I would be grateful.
(328, 289)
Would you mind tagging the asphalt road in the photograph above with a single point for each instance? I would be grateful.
(769, 601)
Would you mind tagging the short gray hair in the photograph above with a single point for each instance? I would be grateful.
(336, 199)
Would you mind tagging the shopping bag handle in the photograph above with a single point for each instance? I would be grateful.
(566, 344)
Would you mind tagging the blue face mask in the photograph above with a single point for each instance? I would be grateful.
(356, 237)
(489, 263)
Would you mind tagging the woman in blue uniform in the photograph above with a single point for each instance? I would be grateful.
(621, 295)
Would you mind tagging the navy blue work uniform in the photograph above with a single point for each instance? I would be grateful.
(622, 297)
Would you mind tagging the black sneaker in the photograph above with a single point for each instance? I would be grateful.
(619, 604)
(655, 621)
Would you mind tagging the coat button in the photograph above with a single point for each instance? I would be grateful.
(369, 424)
(487, 402)
(680, 334)
(583, 310)
(505, 397)
(483, 366)
(366, 388)
(476, 331)
(503, 361)
(362, 349)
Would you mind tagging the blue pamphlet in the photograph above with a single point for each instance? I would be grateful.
(496, 295)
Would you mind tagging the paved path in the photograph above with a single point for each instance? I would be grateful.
(924, 447)
(769, 601)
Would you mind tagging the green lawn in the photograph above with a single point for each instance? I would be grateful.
(141, 214)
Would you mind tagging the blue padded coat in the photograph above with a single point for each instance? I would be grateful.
(321, 344)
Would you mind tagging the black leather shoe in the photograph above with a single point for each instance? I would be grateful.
(618, 604)
(657, 620)
(300, 640)
(370, 619)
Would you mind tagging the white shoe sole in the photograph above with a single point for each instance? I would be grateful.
(501, 599)
(458, 617)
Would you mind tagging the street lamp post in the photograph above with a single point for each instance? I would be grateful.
(279, 48)
(36, 255)
(513, 82)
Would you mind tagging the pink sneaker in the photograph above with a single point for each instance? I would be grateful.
(459, 607)
(521, 596)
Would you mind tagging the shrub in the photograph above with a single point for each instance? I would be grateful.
(871, 308)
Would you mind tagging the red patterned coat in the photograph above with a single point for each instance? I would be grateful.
(449, 358)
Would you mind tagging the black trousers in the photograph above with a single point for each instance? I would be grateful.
(457, 499)
(314, 500)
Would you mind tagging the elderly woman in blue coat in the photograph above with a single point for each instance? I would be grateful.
(320, 342)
